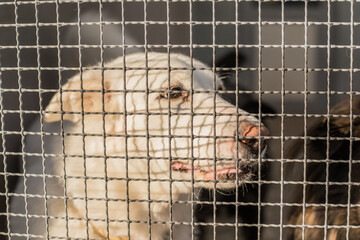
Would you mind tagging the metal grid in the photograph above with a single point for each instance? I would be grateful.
(44, 43)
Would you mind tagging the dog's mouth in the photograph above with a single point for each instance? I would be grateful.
(219, 174)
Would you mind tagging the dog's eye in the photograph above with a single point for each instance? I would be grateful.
(174, 93)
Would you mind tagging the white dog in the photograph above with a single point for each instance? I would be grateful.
(121, 166)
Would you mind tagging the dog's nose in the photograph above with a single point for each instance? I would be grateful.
(249, 134)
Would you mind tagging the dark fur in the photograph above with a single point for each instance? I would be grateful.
(316, 172)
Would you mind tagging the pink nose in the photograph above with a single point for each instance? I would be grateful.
(249, 134)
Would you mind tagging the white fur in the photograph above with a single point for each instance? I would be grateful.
(128, 170)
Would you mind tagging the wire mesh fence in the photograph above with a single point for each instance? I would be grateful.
(180, 119)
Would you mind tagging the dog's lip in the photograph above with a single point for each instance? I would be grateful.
(220, 174)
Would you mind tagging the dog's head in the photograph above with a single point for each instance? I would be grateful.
(165, 109)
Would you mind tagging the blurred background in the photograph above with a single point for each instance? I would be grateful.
(283, 50)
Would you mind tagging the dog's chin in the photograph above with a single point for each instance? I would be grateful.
(228, 184)
(222, 178)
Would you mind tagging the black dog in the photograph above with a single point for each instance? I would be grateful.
(332, 177)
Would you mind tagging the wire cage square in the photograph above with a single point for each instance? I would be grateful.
(182, 119)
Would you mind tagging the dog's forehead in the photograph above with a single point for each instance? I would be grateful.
(185, 78)
(193, 73)
(159, 70)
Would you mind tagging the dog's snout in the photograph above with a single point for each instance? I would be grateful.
(250, 133)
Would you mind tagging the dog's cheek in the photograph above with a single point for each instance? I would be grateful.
(182, 147)
(203, 148)
(159, 168)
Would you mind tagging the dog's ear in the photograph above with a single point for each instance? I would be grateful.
(73, 100)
